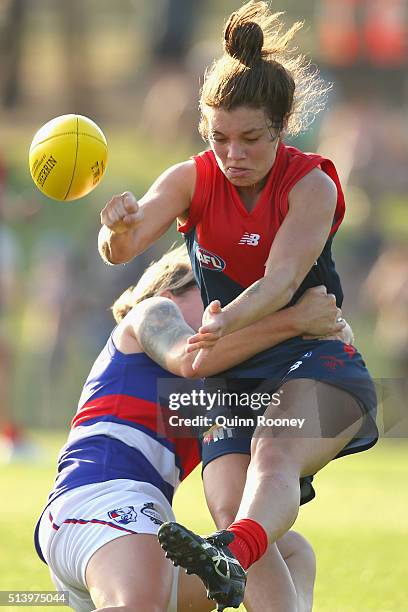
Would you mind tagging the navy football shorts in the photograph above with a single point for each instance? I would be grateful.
(328, 361)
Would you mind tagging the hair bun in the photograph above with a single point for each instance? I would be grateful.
(244, 41)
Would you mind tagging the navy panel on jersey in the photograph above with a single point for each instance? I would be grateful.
(214, 283)
(331, 362)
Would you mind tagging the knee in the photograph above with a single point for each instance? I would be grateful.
(271, 459)
(293, 543)
(308, 553)
(223, 501)
(223, 504)
(223, 512)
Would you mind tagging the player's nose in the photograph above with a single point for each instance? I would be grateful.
(235, 151)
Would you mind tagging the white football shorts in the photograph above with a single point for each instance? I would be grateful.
(81, 521)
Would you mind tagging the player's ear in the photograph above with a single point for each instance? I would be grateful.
(167, 294)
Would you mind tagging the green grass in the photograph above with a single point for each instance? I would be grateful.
(357, 524)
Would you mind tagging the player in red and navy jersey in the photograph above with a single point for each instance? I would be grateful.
(117, 471)
(259, 218)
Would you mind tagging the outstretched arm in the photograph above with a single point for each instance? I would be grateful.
(129, 227)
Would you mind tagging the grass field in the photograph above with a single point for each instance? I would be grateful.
(358, 525)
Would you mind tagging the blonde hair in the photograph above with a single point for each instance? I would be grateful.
(172, 272)
(260, 70)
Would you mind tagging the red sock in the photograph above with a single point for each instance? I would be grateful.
(250, 541)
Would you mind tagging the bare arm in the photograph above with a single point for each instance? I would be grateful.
(161, 331)
(315, 315)
(130, 227)
(238, 346)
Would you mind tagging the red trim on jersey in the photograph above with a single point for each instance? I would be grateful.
(124, 407)
(300, 165)
(147, 414)
(188, 450)
(198, 200)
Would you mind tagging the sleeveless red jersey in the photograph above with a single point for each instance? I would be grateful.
(229, 246)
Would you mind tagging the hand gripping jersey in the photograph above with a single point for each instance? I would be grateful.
(115, 433)
(229, 246)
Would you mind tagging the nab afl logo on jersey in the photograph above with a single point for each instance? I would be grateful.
(209, 260)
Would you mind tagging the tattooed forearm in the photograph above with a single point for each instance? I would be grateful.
(161, 327)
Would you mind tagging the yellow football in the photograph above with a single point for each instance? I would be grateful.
(68, 157)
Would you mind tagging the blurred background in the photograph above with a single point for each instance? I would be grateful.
(135, 68)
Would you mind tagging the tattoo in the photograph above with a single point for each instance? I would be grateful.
(161, 327)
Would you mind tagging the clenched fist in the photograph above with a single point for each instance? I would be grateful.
(122, 213)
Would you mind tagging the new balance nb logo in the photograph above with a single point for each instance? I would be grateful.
(250, 239)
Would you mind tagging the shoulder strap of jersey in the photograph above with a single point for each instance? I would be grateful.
(204, 166)
(300, 165)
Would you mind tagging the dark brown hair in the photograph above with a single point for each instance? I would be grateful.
(259, 70)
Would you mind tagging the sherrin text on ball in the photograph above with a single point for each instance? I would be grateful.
(68, 157)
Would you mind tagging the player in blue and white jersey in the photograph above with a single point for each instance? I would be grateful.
(117, 473)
